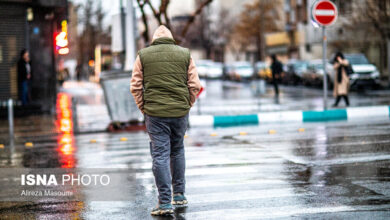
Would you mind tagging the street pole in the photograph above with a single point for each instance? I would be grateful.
(11, 122)
(74, 116)
(388, 58)
(131, 35)
(199, 110)
(123, 25)
(324, 64)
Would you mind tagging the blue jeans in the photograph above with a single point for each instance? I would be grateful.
(167, 150)
(25, 95)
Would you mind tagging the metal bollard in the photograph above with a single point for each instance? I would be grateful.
(199, 110)
(11, 122)
(74, 116)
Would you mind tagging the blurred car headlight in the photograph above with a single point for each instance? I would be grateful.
(355, 76)
(375, 74)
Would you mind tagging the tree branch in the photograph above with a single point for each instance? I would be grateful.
(165, 4)
(192, 19)
(157, 15)
(145, 34)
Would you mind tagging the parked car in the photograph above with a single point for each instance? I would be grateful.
(295, 70)
(240, 70)
(215, 70)
(202, 67)
(209, 69)
(365, 73)
(314, 75)
(263, 71)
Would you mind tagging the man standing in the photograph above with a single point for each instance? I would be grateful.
(277, 69)
(24, 76)
(165, 84)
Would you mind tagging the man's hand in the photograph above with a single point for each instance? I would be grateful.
(28, 76)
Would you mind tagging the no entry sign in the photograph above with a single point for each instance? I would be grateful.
(324, 12)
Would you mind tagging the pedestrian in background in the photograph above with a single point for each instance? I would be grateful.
(78, 71)
(24, 76)
(165, 84)
(62, 76)
(277, 69)
(341, 78)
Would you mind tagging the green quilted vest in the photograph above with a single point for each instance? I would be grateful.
(165, 69)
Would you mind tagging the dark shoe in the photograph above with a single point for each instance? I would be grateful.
(162, 210)
(334, 106)
(179, 199)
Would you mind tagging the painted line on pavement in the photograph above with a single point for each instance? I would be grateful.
(337, 161)
(277, 212)
(245, 195)
(213, 171)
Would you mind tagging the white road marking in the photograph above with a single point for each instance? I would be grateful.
(276, 212)
(245, 195)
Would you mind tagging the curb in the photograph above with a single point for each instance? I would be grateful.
(291, 116)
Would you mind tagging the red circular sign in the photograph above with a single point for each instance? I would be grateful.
(324, 12)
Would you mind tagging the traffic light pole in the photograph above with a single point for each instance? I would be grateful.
(388, 58)
(324, 66)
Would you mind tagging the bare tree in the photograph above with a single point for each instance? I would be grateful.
(145, 33)
(256, 19)
(162, 17)
(191, 19)
(87, 37)
(93, 33)
(212, 32)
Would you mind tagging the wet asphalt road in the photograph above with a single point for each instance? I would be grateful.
(333, 170)
(337, 170)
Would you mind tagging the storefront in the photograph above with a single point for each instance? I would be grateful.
(31, 25)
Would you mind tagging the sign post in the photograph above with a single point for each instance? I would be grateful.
(324, 13)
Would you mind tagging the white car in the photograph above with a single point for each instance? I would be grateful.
(209, 69)
(364, 73)
(215, 70)
(202, 66)
(241, 69)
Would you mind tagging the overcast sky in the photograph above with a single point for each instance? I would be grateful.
(111, 7)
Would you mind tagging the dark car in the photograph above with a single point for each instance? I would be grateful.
(314, 75)
(294, 72)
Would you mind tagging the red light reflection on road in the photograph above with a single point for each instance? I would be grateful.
(64, 123)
